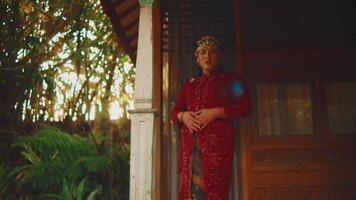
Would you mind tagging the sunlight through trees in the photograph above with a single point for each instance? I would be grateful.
(61, 60)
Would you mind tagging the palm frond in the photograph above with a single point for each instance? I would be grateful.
(74, 192)
(3, 179)
(52, 155)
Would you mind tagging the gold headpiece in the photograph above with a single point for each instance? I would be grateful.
(207, 42)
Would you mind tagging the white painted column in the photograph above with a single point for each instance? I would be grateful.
(142, 117)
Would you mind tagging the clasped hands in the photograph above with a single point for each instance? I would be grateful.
(199, 119)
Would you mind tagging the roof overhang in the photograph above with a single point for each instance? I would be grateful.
(124, 16)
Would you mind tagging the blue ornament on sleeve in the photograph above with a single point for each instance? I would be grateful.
(236, 88)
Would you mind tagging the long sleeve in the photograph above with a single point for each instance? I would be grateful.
(180, 104)
(241, 105)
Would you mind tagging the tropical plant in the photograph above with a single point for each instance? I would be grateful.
(4, 179)
(57, 164)
(73, 192)
(60, 60)
(51, 156)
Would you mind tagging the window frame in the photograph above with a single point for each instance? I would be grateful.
(317, 65)
(344, 75)
(306, 83)
(284, 76)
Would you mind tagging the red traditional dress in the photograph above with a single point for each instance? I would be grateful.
(216, 140)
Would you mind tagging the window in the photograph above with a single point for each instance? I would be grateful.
(341, 107)
(284, 109)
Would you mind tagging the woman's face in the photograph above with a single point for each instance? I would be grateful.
(209, 59)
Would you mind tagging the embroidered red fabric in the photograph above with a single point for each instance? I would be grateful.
(217, 138)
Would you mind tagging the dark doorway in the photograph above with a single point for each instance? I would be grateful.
(183, 23)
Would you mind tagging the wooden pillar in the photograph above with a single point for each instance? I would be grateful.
(143, 116)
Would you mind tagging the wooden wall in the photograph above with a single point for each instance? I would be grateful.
(299, 167)
(284, 41)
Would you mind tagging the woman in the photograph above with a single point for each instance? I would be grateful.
(204, 110)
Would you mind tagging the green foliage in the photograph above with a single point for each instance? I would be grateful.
(55, 164)
(73, 192)
(115, 145)
(4, 180)
(59, 59)
(51, 156)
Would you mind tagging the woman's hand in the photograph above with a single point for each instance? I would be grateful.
(205, 116)
(190, 120)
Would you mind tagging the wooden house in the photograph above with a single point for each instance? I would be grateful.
(299, 60)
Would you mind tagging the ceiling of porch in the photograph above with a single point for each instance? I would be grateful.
(271, 23)
(124, 15)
